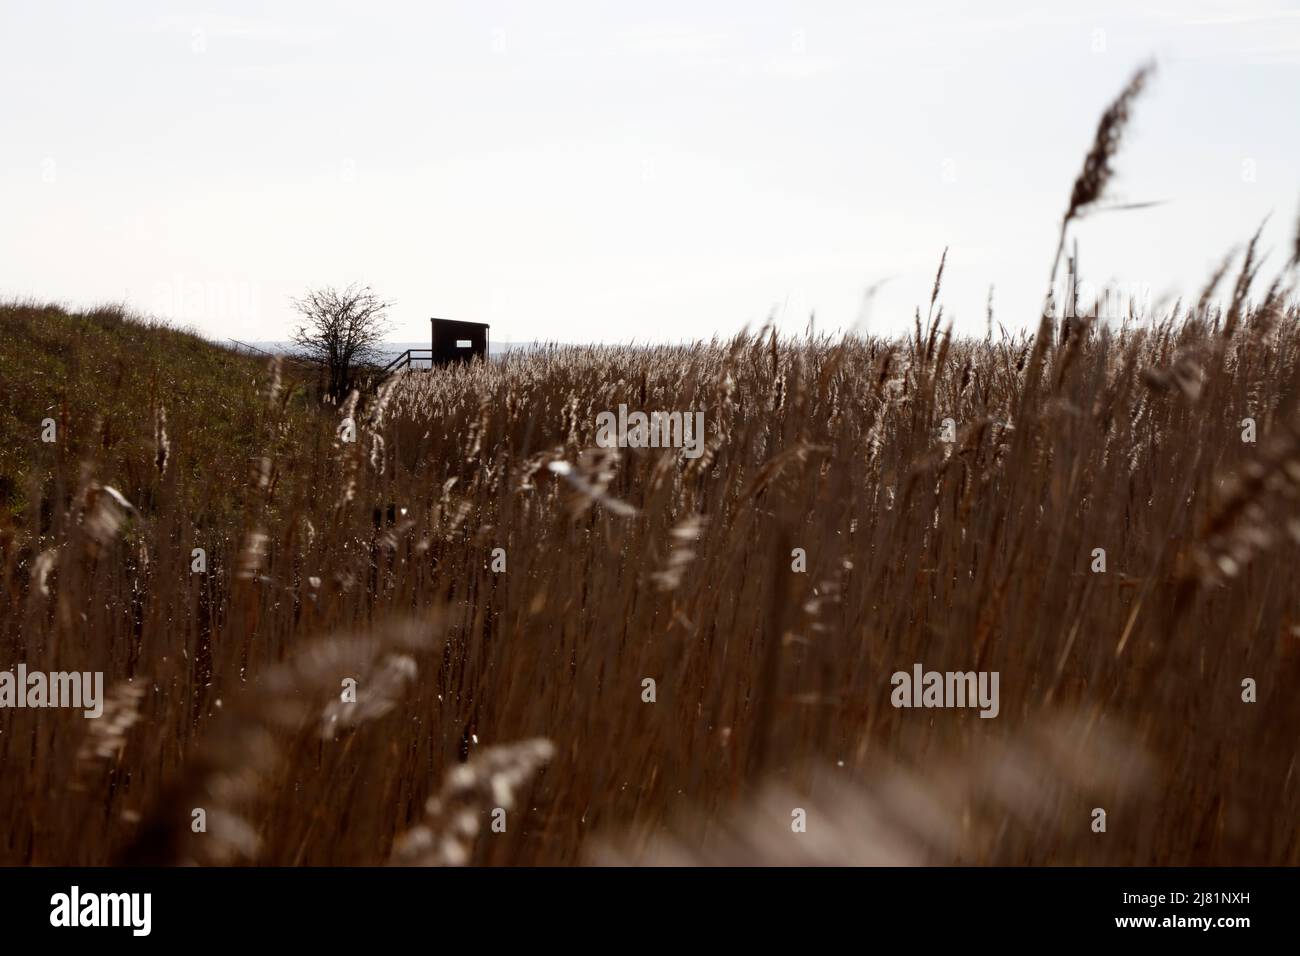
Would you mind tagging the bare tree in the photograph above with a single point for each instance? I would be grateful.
(341, 329)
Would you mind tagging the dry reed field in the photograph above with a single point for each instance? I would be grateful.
(499, 588)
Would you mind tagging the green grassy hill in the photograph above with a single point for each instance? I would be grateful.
(113, 384)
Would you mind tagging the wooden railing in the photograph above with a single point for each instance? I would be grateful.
(406, 358)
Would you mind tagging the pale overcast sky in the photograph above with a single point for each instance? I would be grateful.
(587, 171)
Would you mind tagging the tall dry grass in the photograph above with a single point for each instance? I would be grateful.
(971, 555)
